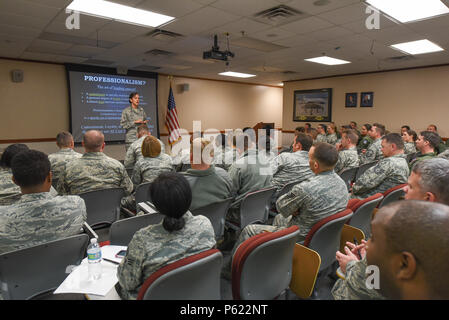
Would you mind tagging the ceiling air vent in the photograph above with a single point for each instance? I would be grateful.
(279, 15)
(158, 52)
(163, 35)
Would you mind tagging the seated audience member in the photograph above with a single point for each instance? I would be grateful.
(391, 171)
(429, 181)
(409, 137)
(374, 151)
(353, 126)
(307, 127)
(251, 172)
(410, 247)
(38, 216)
(64, 141)
(9, 191)
(134, 152)
(95, 170)
(152, 163)
(321, 130)
(209, 184)
(426, 144)
(364, 140)
(331, 137)
(441, 145)
(309, 201)
(292, 167)
(224, 155)
(298, 130)
(404, 128)
(179, 235)
(348, 156)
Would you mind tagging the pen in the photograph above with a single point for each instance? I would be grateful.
(111, 261)
(358, 251)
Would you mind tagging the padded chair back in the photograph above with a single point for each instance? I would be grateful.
(29, 272)
(196, 277)
(185, 167)
(143, 192)
(102, 206)
(255, 207)
(363, 168)
(216, 213)
(325, 235)
(122, 231)
(348, 176)
(306, 265)
(363, 213)
(262, 265)
(392, 195)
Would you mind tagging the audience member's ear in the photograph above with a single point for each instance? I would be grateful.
(50, 177)
(407, 270)
(430, 197)
(13, 180)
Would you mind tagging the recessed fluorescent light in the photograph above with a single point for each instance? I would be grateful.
(327, 60)
(410, 10)
(418, 47)
(119, 12)
(236, 74)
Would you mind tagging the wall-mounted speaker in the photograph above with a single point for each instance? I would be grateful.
(185, 87)
(17, 75)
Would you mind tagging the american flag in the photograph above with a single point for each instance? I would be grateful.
(171, 120)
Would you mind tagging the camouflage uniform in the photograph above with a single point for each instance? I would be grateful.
(9, 191)
(134, 152)
(347, 159)
(444, 155)
(332, 139)
(40, 217)
(364, 143)
(353, 287)
(251, 172)
(224, 158)
(409, 147)
(420, 157)
(59, 159)
(386, 174)
(208, 186)
(374, 152)
(314, 199)
(153, 247)
(321, 138)
(147, 169)
(129, 115)
(290, 167)
(94, 171)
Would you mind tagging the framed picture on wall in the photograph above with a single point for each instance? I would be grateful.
(312, 105)
(351, 100)
(366, 99)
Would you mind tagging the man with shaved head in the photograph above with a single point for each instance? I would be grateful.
(65, 143)
(410, 247)
(94, 170)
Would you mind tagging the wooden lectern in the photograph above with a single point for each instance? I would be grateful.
(262, 125)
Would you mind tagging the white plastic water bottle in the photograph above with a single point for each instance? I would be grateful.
(94, 259)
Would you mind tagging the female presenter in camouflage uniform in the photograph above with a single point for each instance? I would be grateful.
(132, 117)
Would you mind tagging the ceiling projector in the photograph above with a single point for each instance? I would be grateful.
(216, 54)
